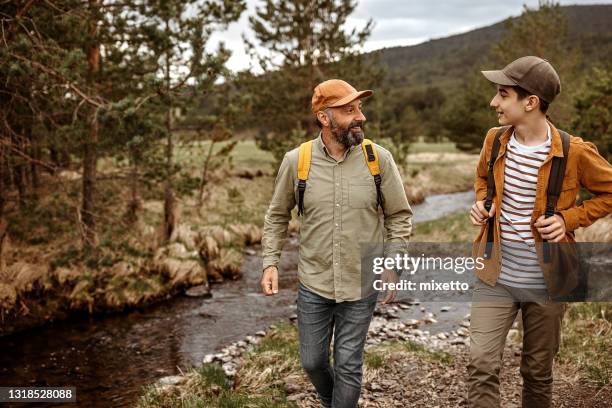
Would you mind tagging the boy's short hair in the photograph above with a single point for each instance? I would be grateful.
(523, 93)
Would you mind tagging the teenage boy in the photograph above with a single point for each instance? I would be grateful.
(528, 142)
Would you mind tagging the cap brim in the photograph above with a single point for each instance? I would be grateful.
(350, 98)
(498, 77)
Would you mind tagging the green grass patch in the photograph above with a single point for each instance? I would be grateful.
(454, 227)
(424, 147)
(259, 382)
(587, 340)
(377, 356)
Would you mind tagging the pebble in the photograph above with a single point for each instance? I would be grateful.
(171, 380)
(445, 308)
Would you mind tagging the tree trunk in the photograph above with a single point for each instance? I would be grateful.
(169, 200)
(19, 167)
(135, 204)
(2, 184)
(90, 238)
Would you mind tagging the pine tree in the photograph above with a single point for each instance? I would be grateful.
(305, 43)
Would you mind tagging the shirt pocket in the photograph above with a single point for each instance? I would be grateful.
(362, 194)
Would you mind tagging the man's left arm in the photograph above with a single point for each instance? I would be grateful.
(397, 211)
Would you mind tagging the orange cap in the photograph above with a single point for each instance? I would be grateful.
(333, 93)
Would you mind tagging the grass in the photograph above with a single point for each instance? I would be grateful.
(265, 370)
(259, 382)
(377, 356)
(454, 227)
(586, 340)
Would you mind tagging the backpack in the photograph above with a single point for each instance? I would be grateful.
(303, 168)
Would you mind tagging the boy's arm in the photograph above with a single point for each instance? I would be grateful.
(480, 185)
(596, 176)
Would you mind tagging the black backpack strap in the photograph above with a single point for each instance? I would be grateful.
(555, 181)
(491, 190)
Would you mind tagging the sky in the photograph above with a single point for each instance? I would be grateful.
(397, 22)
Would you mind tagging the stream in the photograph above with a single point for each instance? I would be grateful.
(110, 358)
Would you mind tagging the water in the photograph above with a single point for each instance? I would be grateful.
(109, 359)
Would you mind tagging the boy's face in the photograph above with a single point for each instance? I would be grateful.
(510, 109)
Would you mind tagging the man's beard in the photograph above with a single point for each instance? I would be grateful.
(346, 136)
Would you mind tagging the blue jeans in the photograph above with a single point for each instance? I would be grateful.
(318, 318)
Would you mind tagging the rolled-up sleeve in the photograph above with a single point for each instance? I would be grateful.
(278, 214)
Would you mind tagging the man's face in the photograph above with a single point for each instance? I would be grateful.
(510, 109)
(346, 124)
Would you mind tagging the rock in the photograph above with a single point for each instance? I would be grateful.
(209, 358)
(465, 324)
(430, 320)
(417, 332)
(241, 344)
(458, 342)
(293, 317)
(250, 251)
(250, 339)
(445, 308)
(442, 336)
(171, 380)
(463, 332)
(199, 291)
(412, 322)
(403, 306)
(260, 333)
(230, 369)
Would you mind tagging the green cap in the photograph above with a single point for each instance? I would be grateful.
(533, 74)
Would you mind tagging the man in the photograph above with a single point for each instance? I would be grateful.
(514, 277)
(340, 211)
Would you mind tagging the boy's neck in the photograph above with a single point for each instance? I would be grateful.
(532, 132)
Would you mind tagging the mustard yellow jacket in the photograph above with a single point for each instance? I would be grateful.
(585, 168)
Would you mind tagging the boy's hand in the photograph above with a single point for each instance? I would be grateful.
(479, 214)
(269, 281)
(552, 228)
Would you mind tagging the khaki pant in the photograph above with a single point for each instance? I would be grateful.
(493, 312)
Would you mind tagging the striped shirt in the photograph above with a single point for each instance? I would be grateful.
(520, 266)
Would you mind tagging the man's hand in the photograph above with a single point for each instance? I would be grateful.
(386, 277)
(479, 214)
(552, 228)
(269, 281)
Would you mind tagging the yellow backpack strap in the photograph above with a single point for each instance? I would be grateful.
(371, 158)
(303, 168)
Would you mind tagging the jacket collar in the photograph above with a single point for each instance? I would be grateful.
(556, 145)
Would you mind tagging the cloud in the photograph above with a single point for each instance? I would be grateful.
(399, 23)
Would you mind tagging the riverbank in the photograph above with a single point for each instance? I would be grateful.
(46, 277)
(404, 365)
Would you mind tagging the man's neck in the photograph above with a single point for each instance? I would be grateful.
(532, 132)
(336, 150)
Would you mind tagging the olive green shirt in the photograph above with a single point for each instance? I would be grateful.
(340, 213)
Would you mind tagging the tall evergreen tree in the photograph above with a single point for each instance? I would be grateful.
(305, 42)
